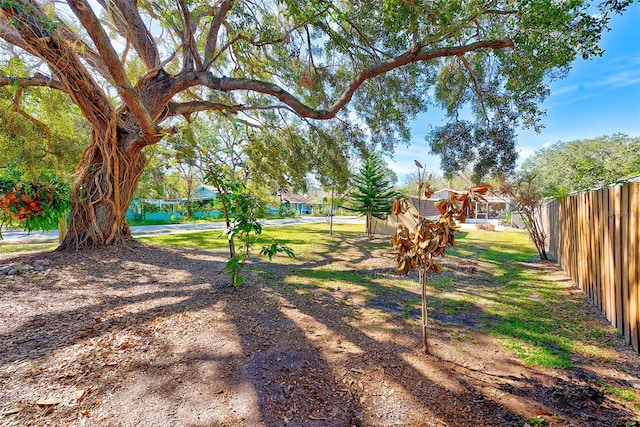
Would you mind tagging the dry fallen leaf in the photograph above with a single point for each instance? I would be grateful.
(14, 410)
(79, 395)
(49, 402)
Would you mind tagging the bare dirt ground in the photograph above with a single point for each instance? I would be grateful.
(150, 336)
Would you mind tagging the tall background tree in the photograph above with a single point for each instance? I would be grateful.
(583, 164)
(132, 68)
(372, 191)
(525, 195)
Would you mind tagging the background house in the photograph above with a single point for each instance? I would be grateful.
(296, 202)
(204, 193)
(490, 211)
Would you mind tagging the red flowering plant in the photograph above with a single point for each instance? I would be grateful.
(35, 204)
(419, 248)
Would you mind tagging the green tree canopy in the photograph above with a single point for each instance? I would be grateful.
(584, 164)
(372, 191)
(40, 130)
(134, 68)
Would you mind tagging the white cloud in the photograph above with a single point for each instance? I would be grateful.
(618, 80)
(563, 90)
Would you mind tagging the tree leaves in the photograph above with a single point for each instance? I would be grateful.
(419, 247)
(489, 148)
(276, 247)
(584, 164)
(373, 192)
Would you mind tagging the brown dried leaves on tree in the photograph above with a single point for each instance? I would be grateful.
(427, 241)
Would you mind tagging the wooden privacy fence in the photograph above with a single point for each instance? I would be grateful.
(595, 237)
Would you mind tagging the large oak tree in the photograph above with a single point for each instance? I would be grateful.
(134, 67)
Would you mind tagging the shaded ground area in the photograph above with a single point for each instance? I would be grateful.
(151, 336)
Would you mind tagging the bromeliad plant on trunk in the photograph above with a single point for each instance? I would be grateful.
(34, 204)
(420, 247)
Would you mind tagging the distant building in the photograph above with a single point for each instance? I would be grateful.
(297, 202)
(204, 193)
(492, 210)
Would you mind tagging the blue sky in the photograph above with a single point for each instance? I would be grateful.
(598, 97)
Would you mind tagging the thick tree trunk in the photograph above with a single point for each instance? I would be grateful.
(106, 179)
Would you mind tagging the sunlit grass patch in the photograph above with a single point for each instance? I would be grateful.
(305, 239)
(491, 284)
(28, 247)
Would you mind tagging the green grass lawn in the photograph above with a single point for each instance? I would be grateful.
(506, 295)
(12, 248)
(310, 240)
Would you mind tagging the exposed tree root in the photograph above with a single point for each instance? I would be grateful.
(107, 177)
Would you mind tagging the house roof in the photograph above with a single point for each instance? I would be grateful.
(206, 187)
(490, 198)
(203, 192)
(294, 198)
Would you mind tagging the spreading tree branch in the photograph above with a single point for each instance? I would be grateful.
(190, 107)
(130, 97)
(39, 80)
(476, 84)
(189, 49)
(30, 23)
(12, 36)
(214, 29)
(186, 80)
(82, 49)
(138, 33)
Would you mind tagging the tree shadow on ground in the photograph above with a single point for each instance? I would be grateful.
(266, 353)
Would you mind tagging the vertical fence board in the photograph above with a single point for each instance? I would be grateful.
(612, 257)
(618, 259)
(588, 209)
(606, 258)
(611, 281)
(596, 234)
(579, 247)
(601, 246)
(634, 268)
(624, 259)
(563, 231)
(575, 208)
(551, 229)
(553, 226)
(575, 239)
(583, 248)
(593, 257)
(567, 234)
